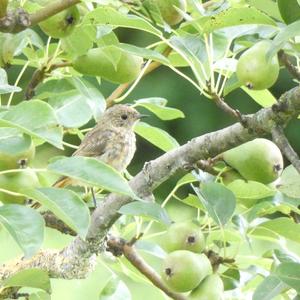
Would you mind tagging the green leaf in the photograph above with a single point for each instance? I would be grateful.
(35, 118)
(267, 6)
(289, 10)
(231, 279)
(163, 112)
(54, 87)
(192, 49)
(269, 288)
(69, 105)
(263, 97)
(219, 201)
(109, 16)
(146, 209)
(283, 227)
(151, 248)
(65, 204)
(233, 17)
(289, 273)
(284, 36)
(39, 296)
(34, 278)
(156, 136)
(115, 289)
(91, 95)
(4, 86)
(250, 189)
(188, 178)
(193, 200)
(290, 182)
(80, 41)
(92, 172)
(144, 52)
(25, 225)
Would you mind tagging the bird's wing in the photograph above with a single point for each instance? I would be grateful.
(95, 142)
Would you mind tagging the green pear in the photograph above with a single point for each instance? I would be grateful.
(183, 270)
(184, 236)
(258, 160)
(230, 176)
(167, 10)
(110, 63)
(62, 24)
(14, 149)
(17, 183)
(211, 288)
(255, 70)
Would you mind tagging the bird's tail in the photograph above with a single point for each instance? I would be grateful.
(60, 183)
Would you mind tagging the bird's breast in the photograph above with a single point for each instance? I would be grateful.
(121, 151)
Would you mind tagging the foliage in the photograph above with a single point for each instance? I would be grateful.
(253, 223)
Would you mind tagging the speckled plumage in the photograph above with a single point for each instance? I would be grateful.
(112, 140)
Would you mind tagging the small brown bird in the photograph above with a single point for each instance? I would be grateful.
(112, 140)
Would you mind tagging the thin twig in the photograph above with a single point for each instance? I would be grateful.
(119, 246)
(282, 142)
(284, 59)
(219, 101)
(39, 75)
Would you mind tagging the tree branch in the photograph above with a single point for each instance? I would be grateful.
(18, 20)
(78, 259)
(282, 142)
(284, 59)
(50, 10)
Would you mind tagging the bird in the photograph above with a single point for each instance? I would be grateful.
(111, 141)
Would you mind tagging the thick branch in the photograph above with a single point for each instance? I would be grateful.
(282, 142)
(51, 9)
(18, 20)
(75, 261)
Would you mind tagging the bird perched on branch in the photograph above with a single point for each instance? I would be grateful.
(111, 141)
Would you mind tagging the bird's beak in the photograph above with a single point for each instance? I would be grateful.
(141, 116)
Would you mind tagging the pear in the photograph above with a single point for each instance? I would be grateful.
(183, 270)
(230, 176)
(255, 70)
(258, 160)
(167, 10)
(110, 63)
(17, 183)
(14, 149)
(211, 288)
(184, 236)
(62, 24)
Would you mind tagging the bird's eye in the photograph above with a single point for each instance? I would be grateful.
(124, 117)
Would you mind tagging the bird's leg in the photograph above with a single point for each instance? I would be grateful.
(94, 197)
